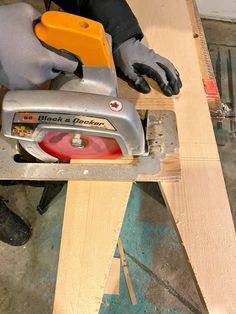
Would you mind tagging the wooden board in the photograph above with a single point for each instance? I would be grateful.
(199, 202)
(202, 215)
(126, 273)
(113, 280)
(93, 216)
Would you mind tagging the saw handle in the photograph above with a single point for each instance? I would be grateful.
(68, 55)
(75, 37)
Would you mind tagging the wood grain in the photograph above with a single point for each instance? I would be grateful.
(199, 202)
(93, 216)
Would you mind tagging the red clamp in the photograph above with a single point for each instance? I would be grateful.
(211, 89)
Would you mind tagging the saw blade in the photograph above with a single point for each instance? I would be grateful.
(67, 146)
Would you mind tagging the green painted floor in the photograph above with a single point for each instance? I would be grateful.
(160, 274)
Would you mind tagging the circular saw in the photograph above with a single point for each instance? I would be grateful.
(80, 117)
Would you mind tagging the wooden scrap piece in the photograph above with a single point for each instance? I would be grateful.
(113, 281)
(126, 272)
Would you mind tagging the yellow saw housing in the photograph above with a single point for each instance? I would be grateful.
(82, 37)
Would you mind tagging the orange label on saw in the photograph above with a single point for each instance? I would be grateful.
(27, 117)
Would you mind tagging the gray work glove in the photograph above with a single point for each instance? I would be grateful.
(136, 60)
(24, 62)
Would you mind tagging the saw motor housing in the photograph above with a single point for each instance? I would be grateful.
(29, 119)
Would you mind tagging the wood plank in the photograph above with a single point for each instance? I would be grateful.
(199, 202)
(126, 273)
(113, 280)
(201, 211)
(93, 216)
(153, 100)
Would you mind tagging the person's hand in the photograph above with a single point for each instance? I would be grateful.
(24, 62)
(136, 60)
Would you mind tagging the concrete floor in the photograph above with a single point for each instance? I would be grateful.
(160, 273)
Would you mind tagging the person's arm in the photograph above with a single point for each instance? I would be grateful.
(131, 57)
(115, 15)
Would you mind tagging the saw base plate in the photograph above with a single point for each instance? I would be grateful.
(162, 137)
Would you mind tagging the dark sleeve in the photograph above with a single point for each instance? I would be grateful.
(115, 15)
